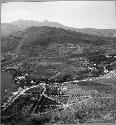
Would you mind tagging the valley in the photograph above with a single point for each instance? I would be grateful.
(56, 76)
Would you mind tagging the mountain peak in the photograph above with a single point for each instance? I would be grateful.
(28, 23)
(45, 21)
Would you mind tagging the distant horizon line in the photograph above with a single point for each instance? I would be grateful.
(56, 22)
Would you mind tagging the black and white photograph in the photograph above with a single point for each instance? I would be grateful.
(58, 62)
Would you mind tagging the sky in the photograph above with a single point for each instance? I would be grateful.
(78, 14)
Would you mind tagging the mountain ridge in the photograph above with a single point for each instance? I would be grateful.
(34, 38)
(23, 24)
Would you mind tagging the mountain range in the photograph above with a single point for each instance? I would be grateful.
(8, 28)
(32, 37)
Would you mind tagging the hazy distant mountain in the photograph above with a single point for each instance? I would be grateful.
(8, 28)
(102, 32)
(27, 23)
(23, 24)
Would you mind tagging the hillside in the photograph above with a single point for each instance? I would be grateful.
(57, 74)
(22, 34)
(35, 38)
(23, 24)
(8, 28)
(99, 32)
